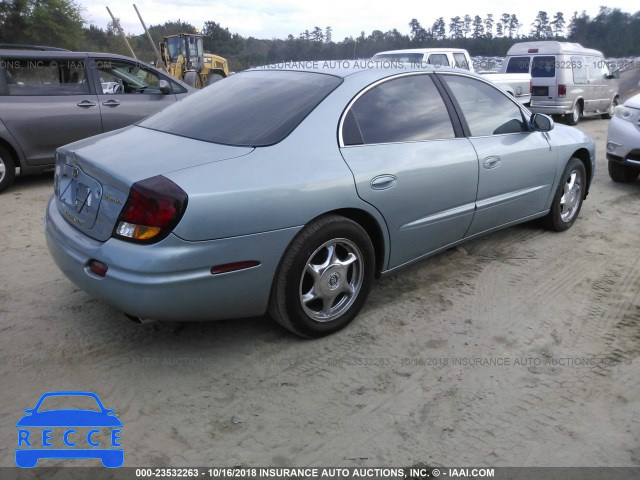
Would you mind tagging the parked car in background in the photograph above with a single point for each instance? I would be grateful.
(517, 85)
(301, 189)
(623, 142)
(50, 97)
(567, 79)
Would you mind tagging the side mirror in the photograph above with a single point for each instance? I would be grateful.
(612, 75)
(164, 87)
(541, 123)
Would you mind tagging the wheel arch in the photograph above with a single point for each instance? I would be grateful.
(582, 154)
(371, 226)
(12, 151)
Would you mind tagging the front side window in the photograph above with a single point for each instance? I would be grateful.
(32, 76)
(486, 109)
(461, 61)
(117, 76)
(404, 109)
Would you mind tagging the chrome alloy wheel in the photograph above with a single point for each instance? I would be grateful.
(571, 197)
(331, 280)
(3, 169)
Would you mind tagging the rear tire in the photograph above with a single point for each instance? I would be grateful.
(324, 277)
(567, 201)
(574, 117)
(612, 107)
(621, 173)
(7, 169)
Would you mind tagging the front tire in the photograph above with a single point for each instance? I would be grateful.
(324, 277)
(7, 169)
(621, 173)
(567, 201)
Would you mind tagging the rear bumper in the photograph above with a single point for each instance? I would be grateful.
(555, 108)
(170, 280)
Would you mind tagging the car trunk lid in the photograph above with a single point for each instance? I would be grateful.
(94, 176)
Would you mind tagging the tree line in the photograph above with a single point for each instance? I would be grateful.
(60, 23)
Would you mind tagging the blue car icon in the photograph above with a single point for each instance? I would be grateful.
(36, 431)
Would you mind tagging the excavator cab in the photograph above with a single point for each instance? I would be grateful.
(186, 59)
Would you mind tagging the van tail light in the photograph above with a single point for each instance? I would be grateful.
(562, 90)
(530, 87)
(153, 209)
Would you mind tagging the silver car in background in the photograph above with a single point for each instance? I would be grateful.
(623, 142)
(300, 187)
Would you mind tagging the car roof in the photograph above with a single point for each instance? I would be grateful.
(425, 50)
(346, 68)
(550, 47)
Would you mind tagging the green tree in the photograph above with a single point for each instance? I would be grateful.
(478, 27)
(455, 27)
(55, 23)
(541, 28)
(488, 26)
(439, 29)
(557, 24)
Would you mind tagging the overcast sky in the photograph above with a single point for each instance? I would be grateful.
(278, 18)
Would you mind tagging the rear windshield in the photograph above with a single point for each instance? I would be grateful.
(256, 108)
(543, 67)
(399, 57)
(518, 65)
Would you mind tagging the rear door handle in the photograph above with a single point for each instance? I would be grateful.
(86, 103)
(491, 162)
(382, 182)
(111, 103)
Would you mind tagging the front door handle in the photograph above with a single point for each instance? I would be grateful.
(382, 182)
(111, 103)
(86, 103)
(491, 162)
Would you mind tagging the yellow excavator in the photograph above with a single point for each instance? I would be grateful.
(185, 59)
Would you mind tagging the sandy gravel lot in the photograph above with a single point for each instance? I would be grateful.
(518, 349)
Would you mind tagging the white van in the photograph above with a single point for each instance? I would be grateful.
(567, 79)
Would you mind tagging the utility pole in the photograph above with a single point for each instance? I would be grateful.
(117, 25)
(153, 45)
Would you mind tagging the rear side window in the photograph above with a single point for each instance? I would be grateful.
(486, 109)
(255, 108)
(34, 76)
(438, 59)
(405, 109)
(543, 67)
(518, 65)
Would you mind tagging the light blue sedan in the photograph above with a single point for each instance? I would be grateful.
(288, 191)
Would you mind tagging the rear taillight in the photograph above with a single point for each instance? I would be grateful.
(153, 209)
(562, 90)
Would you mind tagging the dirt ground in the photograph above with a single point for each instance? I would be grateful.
(518, 349)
